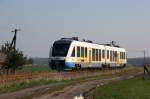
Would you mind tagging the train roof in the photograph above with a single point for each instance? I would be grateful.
(69, 40)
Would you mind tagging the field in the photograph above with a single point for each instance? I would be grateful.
(136, 88)
(35, 68)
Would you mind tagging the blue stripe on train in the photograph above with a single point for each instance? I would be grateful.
(69, 65)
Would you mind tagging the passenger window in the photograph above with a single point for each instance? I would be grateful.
(82, 51)
(107, 54)
(116, 55)
(124, 55)
(99, 55)
(110, 55)
(93, 54)
(78, 51)
(103, 53)
(120, 55)
(73, 52)
(96, 54)
(113, 55)
(85, 52)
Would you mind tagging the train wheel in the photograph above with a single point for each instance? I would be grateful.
(78, 66)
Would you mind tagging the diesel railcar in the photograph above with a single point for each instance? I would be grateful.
(71, 53)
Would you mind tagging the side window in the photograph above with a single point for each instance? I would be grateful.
(96, 54)
(103, 53)
(116, 55)
(78, 51)
(99, 54)
(120, 55)
(110, 55)
(107, 54)
(85, 51)
(93, 54)
(73, 52)
(124, 55)
(82, 51)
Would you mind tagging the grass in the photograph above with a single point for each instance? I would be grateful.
(35, 68)
(136, 88)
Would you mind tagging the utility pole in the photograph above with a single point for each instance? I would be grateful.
(13, 43)
(144, 63)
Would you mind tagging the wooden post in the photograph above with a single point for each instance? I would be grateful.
(144, 63)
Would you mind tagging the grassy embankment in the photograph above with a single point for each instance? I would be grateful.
(136, 88)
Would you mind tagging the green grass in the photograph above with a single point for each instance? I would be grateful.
(35, 68)
(136, 88)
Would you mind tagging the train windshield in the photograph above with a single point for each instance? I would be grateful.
(60, 49)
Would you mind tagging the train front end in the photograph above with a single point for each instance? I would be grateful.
(58, 55)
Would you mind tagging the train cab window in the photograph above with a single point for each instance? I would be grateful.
(103, 53)
(96, 54)
(82, 51)
(60, 49)
(107, 54)
(99, 55)
(85, 52)
(73, 52)
(78, 51)
(93, 54)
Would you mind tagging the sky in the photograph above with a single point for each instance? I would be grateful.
(43, 21)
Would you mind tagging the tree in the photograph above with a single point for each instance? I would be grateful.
(14, 58)
(29, 61)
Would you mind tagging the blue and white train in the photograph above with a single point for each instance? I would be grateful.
(70, 53)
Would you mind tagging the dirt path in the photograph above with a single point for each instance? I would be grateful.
(75, 90)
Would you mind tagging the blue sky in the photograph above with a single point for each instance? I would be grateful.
(43, 21)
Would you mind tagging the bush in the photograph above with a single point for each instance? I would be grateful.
(14, 59)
